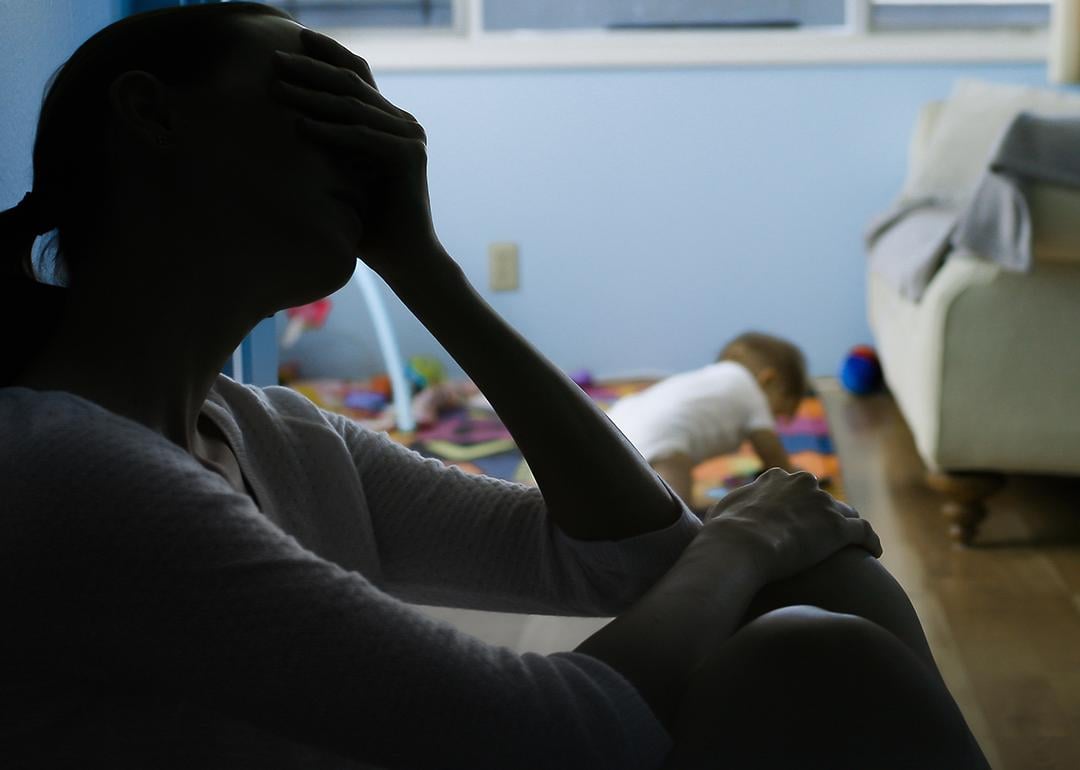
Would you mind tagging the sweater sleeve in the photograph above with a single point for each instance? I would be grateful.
(446, 537)
(176, 585)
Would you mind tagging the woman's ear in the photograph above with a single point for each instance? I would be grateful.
(142, 108)
(766, 376)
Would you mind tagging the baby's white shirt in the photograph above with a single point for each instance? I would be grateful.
(701, 413)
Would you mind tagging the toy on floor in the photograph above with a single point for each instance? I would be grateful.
(380, 384)
(365, 401)
(423, 371)
(582, 378)
(310, 316)
(288, 372)
(861, 371)
(429, 402)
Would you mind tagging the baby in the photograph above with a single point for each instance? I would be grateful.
(690, 417)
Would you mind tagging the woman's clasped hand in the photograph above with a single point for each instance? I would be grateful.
(791, 522)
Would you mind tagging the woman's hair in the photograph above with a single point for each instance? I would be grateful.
(180, 46)
(757, 351)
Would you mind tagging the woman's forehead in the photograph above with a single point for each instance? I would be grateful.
(251, 57)
(271, 33)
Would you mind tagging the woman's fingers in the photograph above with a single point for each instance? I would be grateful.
(375, 146)
(329, 50)
(845, 510)
(862, 534)
(322, 76)
(323, 47)
(346, 109)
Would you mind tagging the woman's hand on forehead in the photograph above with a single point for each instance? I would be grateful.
(331, 84)
(321, 49)
(329, 66)
(324, 47)
(381, 149)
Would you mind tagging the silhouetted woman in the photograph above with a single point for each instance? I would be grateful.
(201, 574)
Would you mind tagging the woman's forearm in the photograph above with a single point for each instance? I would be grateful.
(595, 484)
(760, 534)
(659, 642)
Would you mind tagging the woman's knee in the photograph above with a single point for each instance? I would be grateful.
(851, 582)
(799, 647)
(830, 690)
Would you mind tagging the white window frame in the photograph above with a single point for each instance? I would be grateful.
(467, 46)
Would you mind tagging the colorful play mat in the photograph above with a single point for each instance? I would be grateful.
(475, 440)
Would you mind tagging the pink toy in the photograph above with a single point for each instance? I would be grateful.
(433, 399)
(310, 316)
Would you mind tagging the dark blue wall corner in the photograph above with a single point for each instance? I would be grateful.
(260, 352)
(128, 7)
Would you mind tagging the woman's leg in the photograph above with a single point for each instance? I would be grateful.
(854, 583)
(804, 688)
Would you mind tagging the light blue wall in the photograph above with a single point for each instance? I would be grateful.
(36, 36)
(660, 212)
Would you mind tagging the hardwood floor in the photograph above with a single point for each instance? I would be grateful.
(1003, 617)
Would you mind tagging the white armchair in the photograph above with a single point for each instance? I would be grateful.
(985, 366)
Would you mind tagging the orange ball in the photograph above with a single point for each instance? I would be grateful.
(380, 383)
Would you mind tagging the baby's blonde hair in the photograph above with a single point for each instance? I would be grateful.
(757, 351)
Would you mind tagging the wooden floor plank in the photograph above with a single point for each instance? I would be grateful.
(1002, 617)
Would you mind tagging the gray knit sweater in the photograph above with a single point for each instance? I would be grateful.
(155, 618)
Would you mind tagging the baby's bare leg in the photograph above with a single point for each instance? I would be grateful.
(802, 687)
(676, 471)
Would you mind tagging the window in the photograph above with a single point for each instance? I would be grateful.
(471, 34)
(563, 15)
(372, 14)
(502, 15)
(956, 14)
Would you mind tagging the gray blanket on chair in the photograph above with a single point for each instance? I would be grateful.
(908, 243)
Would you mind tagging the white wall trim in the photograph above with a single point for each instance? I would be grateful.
(647, 49)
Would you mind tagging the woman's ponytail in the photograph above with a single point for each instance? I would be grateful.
(19, 228)
(69, 159)
(29, 310)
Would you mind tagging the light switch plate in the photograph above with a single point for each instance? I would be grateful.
(503, 266)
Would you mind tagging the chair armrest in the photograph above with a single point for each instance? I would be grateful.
(1055, 222)
(921, 135)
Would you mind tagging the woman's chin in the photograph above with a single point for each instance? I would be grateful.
(315, 275)
(348, 267)
(333, 257)
(336, 272)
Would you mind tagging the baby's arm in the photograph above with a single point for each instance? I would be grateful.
(676, 469)
(771, 450)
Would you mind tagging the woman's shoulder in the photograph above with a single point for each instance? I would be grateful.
(15, 399)
(30, 416)
(275, 402)
(253, 407)
(53, 433)
(68, 465)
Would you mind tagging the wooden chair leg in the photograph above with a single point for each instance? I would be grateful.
(965, 500)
